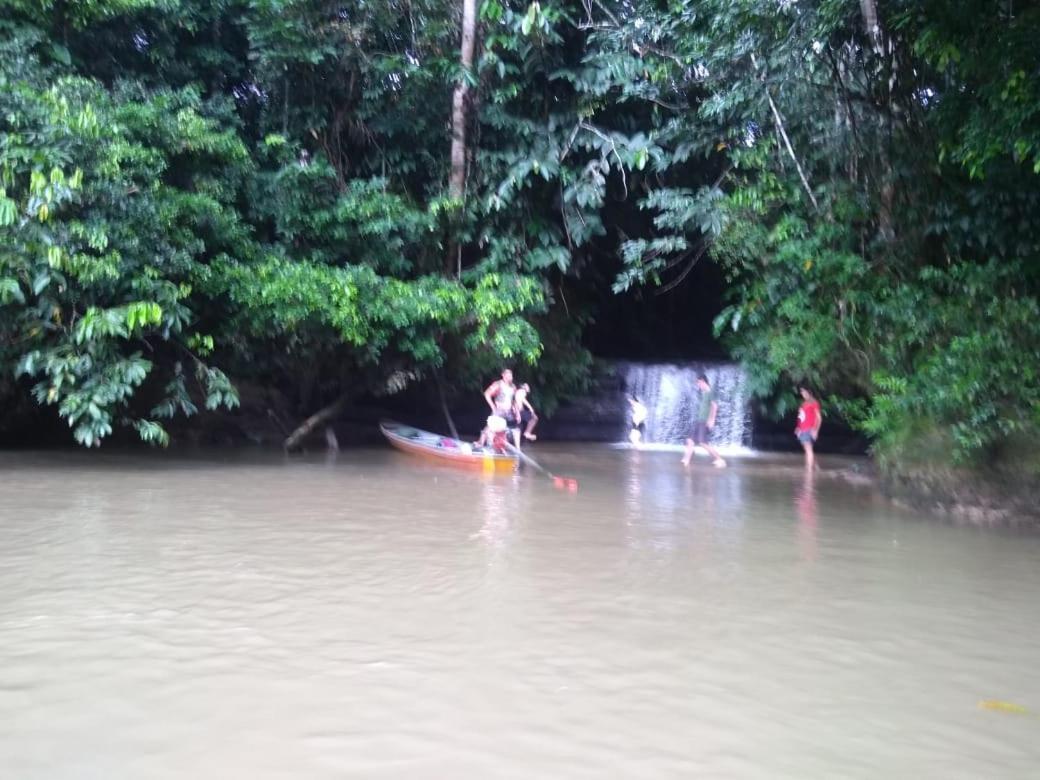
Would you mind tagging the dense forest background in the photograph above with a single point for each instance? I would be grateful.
(337, 199)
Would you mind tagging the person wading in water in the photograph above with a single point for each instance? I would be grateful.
(639, 415)
(706, 412)
(810, 418)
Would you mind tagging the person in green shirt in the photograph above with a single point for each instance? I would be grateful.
(707, 409)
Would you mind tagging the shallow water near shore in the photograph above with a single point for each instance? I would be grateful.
(368, 615)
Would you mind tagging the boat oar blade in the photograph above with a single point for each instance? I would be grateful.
(564, 483)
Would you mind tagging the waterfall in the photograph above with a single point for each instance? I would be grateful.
(670, 394)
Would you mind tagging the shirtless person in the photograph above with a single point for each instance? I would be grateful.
(525, 415)
(706, 412)
(499, 396)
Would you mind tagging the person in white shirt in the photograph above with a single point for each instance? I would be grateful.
(639, 415)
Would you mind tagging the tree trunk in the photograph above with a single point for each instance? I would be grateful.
(293, 441)
(457, 182)
(459, 116)
(868, 8)
(887, 191)
(444, 405)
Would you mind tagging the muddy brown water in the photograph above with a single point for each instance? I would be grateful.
(244, 616)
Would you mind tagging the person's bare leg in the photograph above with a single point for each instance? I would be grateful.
(810, 458)
(689, 452)
(529, 433)
(717, 459)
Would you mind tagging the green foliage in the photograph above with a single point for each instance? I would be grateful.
(157, 214)
(962, 363)
(869, 197)
(303, 303)
(989, 54)
(95, 253)
(260, 185)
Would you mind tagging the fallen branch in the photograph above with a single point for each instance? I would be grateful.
(293, 441)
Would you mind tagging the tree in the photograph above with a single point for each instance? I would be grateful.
(876, 237)
(287, 227)
(457, 182)
(97, 260)
(257, 187)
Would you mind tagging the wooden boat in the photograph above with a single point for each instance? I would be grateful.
(445, 450)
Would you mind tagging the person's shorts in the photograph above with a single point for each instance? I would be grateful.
(805, 437)
(700, 433)
(526, 417)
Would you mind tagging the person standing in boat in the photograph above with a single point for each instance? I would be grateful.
(525, 415)
(500, 395)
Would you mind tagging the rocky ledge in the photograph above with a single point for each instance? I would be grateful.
(996, 498)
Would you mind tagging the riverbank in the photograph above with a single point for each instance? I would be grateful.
(919, 468)
(990, 498)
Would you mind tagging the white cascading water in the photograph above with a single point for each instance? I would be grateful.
(670, 394)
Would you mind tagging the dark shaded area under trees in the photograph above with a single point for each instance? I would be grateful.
(330, 201)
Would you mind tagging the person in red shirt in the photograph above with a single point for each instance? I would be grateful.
(808, 428)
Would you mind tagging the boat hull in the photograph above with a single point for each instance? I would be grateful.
(444, 450)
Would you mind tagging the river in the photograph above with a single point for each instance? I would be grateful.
(369, 616)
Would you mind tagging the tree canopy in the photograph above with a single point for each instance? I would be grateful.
(194, 194)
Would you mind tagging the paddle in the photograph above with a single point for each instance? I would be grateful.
(560, 482)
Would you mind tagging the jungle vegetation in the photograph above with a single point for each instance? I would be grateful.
(346, 197)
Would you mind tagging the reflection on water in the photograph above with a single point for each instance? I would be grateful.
(666, 502)
(805, 506)
(499, 496)
(634, 485)
(373, 616)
